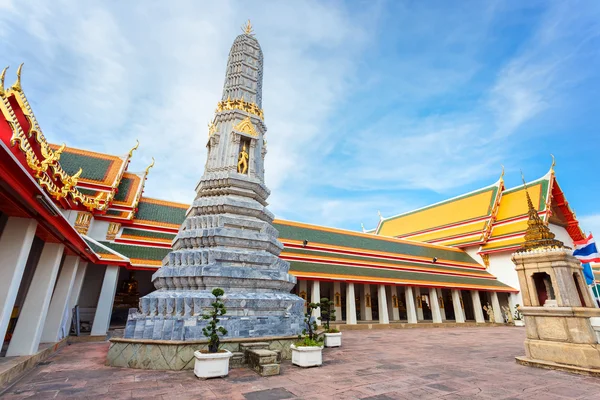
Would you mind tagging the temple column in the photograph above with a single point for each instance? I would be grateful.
(60, 300)
(365, 304)
(409, 299)
(459, 314)
(442, 304)
(337, 300)
(15, 246)
(419, 304)
(315, 297)
(105, 301)
(350, 304)
(479, 318)
(496, 307)
(393, 311)
(26, 338)
(436, 314)
(303, 292)
(384, 318)
(75, 292)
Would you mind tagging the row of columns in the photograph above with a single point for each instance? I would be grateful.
(387, 308)
(45, 315)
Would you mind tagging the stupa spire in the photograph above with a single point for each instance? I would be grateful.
(244, 76)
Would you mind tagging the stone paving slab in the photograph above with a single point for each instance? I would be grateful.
(453, 363)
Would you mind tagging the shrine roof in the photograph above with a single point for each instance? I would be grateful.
(141, 236)
(97, 168)
(105, 253)
(330, 253)
(140, 256)
(460, 221)
(161, 213)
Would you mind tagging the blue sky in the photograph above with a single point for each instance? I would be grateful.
(370, 105)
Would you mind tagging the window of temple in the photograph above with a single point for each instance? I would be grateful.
(579, 292)
(543, 287)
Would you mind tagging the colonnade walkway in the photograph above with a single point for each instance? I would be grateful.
(447, 363)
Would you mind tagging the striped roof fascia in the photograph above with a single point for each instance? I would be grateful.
(558, 198)
(307, 270)
(496, 189)
(326, 236)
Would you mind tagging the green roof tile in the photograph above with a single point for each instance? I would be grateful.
(390, 274)
(123, 189)
(160, 213)
(93, 168)
(148, 234)
(143, 252)
(367, 243)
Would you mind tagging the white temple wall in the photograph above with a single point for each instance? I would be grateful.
(561, 234)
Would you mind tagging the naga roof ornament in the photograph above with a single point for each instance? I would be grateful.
(2, 76)
(17, 85)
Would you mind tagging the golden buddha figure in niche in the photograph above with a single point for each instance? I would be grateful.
(242, 166)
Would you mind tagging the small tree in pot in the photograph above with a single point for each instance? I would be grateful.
(333, 337)
(518, 317)
(306, 352)
(213, 362)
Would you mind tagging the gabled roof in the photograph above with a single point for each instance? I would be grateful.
(493, 217)
(461, 221)
(139, 256)
(336, 254)
(509, 228)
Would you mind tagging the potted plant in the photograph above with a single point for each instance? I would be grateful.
(306, 352)
(518, 317)
(213, 362)
(333, 337)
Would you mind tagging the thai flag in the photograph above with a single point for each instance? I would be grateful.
(586, 251)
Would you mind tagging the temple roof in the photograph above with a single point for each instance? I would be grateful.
(336, 254)
(154, 212)
(461, 221)
(493, 217)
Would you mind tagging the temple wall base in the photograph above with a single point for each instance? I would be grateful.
(179, 355)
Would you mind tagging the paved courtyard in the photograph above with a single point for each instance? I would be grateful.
(446, 363)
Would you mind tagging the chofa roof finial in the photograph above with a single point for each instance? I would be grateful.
(17, 85)
(2, 76)
(150, 166)
(137, 144)
(553, 163)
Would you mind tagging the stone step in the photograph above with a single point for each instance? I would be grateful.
(254, 345)
(268, 369)
(237, 360)
(261, 357)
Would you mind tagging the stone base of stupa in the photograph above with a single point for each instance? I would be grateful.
(177, 355)
(177, 315)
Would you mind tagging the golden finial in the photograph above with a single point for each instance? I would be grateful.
(77, 174)
(17, 85)
(2, 75)
(537, 235)
(137, 144)
(247, 29)
(502, 174)
(553, 163)
(150, 166)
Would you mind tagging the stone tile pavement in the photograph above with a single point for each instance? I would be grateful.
(444, 363)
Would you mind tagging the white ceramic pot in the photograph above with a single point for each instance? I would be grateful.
(333, 339)
(211, 365)
(519, 322)
(307, 356)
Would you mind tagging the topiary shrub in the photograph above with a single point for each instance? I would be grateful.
(211, 331)
(309, 336)
(327, 314)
